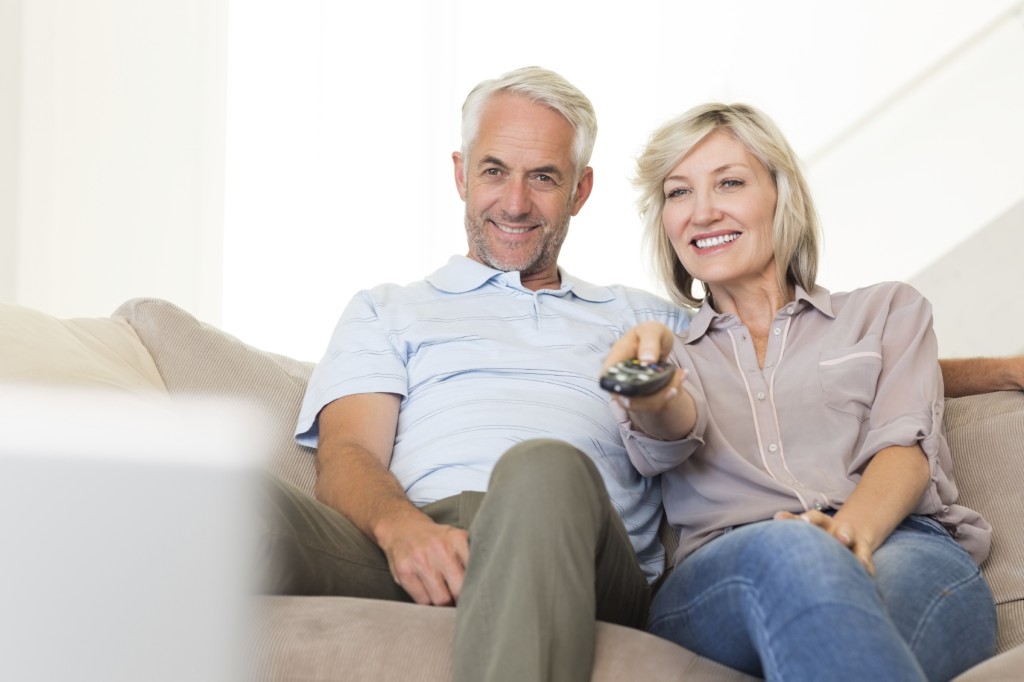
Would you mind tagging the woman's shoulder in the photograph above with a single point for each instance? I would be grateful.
(888, 294)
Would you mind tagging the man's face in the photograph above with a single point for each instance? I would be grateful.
(520, 188)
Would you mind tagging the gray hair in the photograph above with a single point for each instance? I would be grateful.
(543, 87)
(796, 233)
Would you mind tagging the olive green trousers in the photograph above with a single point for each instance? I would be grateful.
(549, 556)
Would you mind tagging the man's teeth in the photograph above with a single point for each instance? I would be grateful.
(512, 230)
(716, 241)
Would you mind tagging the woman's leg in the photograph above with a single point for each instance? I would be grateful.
(937, 598)
(784, 600)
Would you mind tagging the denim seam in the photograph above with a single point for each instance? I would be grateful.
(947, 592)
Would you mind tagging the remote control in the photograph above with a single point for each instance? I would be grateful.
(633, 377)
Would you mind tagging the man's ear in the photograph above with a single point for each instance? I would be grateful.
(583, 189)
(460, 173)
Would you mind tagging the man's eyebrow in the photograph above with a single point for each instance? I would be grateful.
(492, 161)
(550, 169)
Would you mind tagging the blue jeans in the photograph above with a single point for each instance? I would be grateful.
(786, 601)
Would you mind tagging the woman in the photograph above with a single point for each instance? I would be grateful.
(800, 442)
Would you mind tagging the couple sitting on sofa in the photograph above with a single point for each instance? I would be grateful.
(483, 377)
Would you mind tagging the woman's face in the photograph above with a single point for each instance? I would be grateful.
(719, 210)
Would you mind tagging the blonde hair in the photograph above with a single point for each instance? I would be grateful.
(543, 87)
(795, 226)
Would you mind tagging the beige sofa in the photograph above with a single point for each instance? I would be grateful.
(150, 345)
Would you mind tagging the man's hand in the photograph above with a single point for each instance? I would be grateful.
(427, 559)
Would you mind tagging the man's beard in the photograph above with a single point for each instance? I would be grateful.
(539, 256)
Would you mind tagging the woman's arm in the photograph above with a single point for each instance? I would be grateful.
(970, 376)
(890, 488)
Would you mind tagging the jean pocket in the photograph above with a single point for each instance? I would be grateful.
(849, 376)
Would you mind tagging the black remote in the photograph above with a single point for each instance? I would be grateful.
(633, 377)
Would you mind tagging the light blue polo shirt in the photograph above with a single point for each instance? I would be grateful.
(482, 363)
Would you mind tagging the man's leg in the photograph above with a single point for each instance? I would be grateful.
(548, 555)
(311, 549)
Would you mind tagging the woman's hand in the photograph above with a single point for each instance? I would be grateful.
(647, 342)
(668, 414)
(856, 542)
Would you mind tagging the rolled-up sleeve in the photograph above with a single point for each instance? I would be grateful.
(908, 403)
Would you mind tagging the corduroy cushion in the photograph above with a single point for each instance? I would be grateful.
(986, 439)
(92, 353)
(195, 358)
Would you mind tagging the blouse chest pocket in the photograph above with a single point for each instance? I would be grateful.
(849, 376)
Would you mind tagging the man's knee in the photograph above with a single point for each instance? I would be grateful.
(549, 479)
(545, 462)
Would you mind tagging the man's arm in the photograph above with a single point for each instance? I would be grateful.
(971, 376)
(357, 436)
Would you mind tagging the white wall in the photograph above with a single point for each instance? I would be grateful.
(339, 171)
(10, 139)
(339, 119)
(119, 107)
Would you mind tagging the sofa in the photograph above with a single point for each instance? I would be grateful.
(151, 347)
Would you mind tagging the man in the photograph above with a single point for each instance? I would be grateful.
(433, 393)
(424, 387)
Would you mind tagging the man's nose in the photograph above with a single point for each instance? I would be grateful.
(516, 198)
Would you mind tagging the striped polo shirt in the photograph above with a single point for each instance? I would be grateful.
(482, 363)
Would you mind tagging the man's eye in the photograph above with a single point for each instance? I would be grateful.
(544, 178)
(492, 171)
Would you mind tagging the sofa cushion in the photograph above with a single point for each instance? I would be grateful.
(986, 439)
(95, 353)
(196, 358)
(344, 638)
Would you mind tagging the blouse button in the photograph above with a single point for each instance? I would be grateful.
(778, 330)
(773, 447)
(760, 395)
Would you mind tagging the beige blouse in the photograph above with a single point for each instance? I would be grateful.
(845, 376)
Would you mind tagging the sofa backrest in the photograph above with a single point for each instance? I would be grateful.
(195, 358)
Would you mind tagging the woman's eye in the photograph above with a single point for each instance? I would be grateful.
(732, 183)
(676, 193)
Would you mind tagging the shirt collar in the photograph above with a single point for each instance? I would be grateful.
(462, 274)
(707, 318)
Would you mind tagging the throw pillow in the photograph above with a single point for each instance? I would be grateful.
(196, 358)
(93, 353)
(985, 434)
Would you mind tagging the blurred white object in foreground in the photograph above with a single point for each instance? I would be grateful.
(126, 536)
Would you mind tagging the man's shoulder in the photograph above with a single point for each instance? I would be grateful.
(642, 305)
